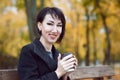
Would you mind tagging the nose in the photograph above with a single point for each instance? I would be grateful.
(54, 29)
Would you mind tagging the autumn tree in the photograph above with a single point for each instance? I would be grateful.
(13, 34)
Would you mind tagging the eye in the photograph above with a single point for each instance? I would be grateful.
(59, 25)
(49, 24)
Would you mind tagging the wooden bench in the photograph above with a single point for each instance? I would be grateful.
(8, 74)
(87, 72)
(93, 72)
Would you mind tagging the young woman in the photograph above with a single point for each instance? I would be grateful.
(40, 60)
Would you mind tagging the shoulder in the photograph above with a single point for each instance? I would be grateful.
(27, 53)
(27, 47)
(26, 50)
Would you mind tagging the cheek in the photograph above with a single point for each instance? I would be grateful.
(47, 28)
(60, 30)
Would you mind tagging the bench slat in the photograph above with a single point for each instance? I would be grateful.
(92, 72)
(8, 74)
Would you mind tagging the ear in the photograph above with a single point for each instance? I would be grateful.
(39, 25)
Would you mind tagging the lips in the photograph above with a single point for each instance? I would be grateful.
(52, 36)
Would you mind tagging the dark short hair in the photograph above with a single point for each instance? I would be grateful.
(54, 12)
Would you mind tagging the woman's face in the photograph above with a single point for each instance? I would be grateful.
(51, 29)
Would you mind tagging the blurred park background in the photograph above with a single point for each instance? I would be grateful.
(92, 30)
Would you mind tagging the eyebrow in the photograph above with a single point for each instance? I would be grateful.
(60, 23)
(53, 22)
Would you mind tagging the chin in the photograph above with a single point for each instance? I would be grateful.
(52, 41)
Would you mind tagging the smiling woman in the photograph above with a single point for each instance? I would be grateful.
(51, 29)
(40, 60)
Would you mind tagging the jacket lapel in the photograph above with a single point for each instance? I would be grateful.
(41, 52)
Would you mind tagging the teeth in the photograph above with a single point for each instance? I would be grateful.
(53, 34)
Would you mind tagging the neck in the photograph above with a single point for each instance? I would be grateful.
(47, 46)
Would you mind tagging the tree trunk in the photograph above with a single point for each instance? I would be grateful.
(77, 49)
(31, 17)
(94, 43)
(108, 48)
(87, 40)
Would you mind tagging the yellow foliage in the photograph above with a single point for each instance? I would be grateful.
(12, 28)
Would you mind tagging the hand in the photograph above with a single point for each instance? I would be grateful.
(66, 65)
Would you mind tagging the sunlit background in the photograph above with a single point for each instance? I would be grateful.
(92, 29)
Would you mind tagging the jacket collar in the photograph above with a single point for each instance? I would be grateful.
(42, 53)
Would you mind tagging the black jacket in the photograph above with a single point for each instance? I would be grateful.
(35, 64)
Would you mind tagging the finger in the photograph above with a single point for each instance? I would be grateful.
(69, 61)
(67, 57)
(59, 56)
(69, 64)
(69, 67)
(76, 61)
(71, 70)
